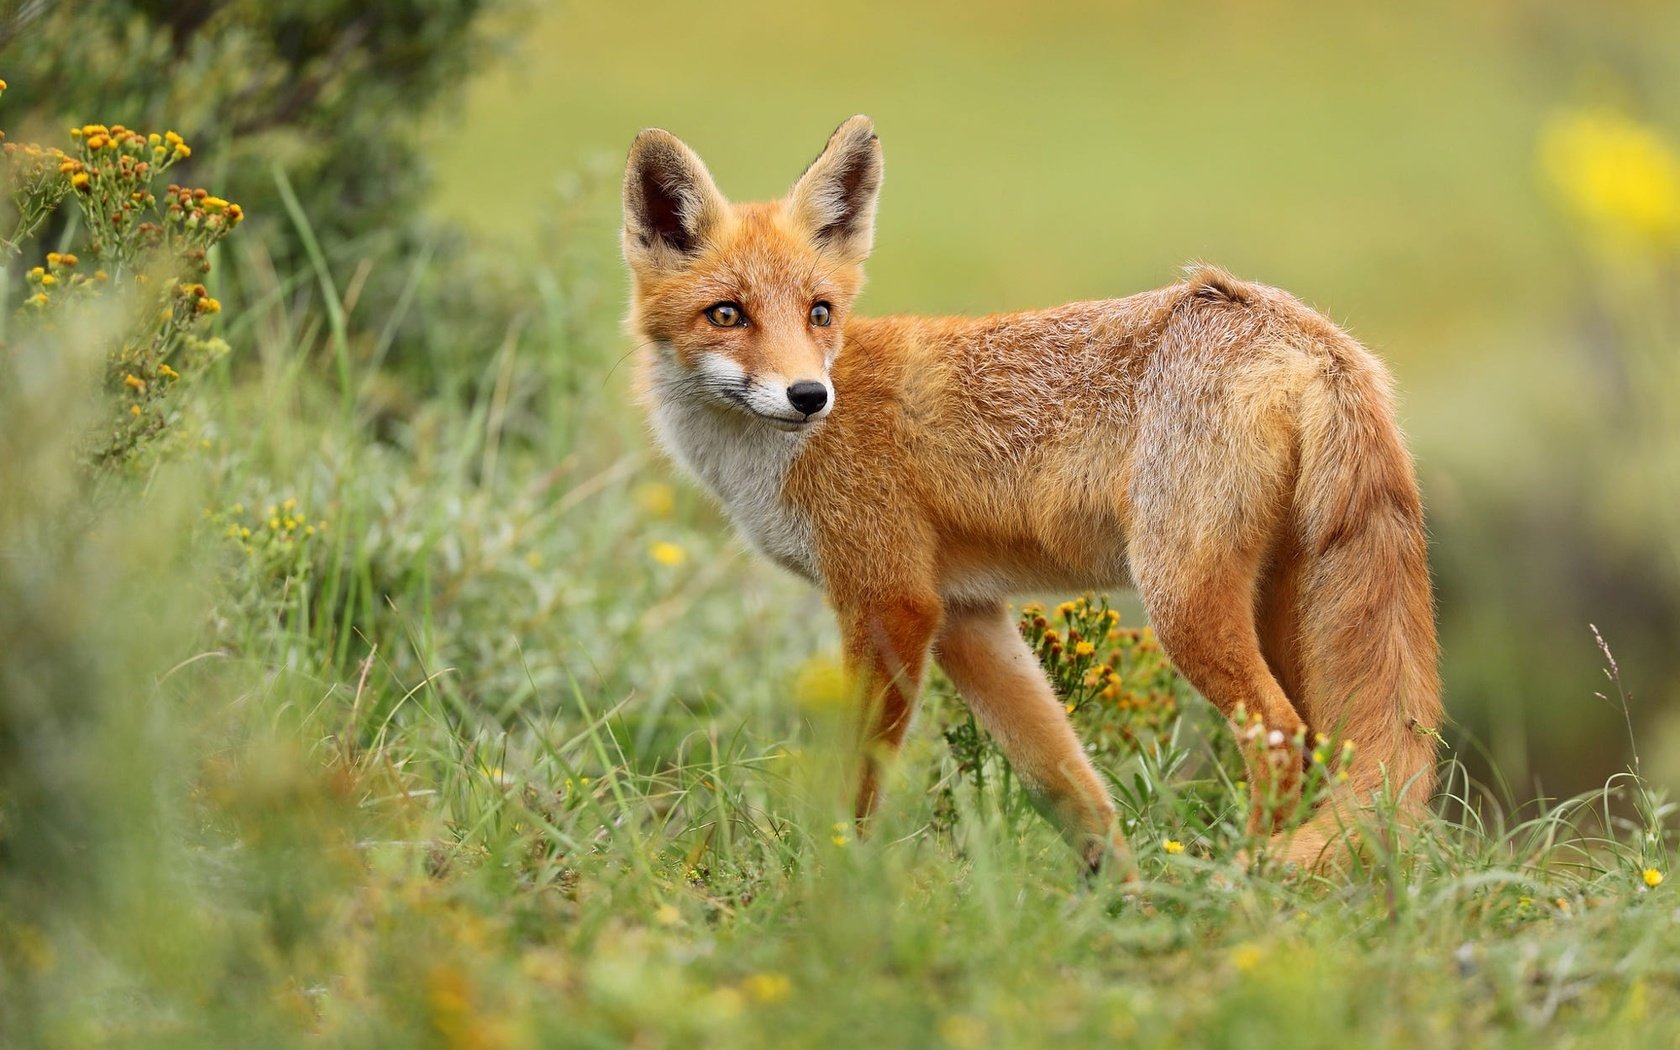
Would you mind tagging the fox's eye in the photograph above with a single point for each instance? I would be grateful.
(821, 315)
(724, 315)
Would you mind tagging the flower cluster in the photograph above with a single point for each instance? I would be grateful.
(59, 281)
(37, 179)
(149, 249)
(282, 526)
(112, 175)
(1113, 677)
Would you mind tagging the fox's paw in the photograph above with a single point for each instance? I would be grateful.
(1108, 858)
(1276, 769)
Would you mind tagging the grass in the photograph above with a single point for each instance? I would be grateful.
(471, 767)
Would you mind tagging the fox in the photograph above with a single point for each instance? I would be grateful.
(1215, 445)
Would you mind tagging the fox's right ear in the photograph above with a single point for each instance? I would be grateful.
(671, 204)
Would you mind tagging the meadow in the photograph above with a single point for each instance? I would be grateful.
(366, 680)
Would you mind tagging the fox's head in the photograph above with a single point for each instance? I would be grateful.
(744, 302)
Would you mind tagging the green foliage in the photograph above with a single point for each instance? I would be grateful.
(328, 94)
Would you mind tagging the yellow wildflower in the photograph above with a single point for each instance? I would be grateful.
(134, 382)
(133, 410)
(668, 554)
(1084, 649)
(820, 685)
(767, 987)
(1246, 957)
(1653, 877)
(1173, 846)
(1618, 175)
(79, 180)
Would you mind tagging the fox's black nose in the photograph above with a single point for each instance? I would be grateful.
(808, 396)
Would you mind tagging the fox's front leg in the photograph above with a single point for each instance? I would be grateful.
(1002, 683)
(886, 642)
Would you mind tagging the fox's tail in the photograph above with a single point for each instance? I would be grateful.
(1365, 614)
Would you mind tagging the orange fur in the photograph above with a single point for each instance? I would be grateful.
(1215, 443)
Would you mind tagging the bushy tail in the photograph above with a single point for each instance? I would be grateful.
(1365, 614)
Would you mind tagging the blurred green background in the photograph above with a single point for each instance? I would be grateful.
(1383, 162)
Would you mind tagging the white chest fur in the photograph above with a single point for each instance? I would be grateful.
(742, 462)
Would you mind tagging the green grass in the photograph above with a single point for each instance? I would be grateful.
(470, 768)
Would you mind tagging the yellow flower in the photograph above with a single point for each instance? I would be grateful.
(168, 373)
(1084, 649)
(821, 685)
(767, 987)
(1653, 877)
(1173, 846)
(1246, 957)
(1619, 176)
(79, 180)
(134, 382)
(668, 554)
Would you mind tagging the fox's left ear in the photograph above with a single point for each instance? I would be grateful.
(835, 198)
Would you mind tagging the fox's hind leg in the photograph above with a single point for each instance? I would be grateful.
(991, 666)
(1201, 604)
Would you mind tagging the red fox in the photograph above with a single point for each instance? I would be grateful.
(1215, 444)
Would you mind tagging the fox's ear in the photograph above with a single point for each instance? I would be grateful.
(835, 198)
(671, 204)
